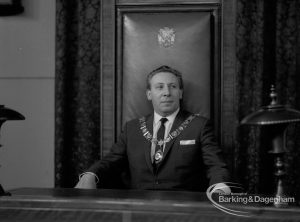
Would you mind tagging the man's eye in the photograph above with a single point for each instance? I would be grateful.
(159, 87)
(173, 86)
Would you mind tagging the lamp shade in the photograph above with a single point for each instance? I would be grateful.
(9, 114)
(272, 114)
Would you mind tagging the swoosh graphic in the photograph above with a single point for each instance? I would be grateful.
(210, 191)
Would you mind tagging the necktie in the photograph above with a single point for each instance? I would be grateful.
(158, 155)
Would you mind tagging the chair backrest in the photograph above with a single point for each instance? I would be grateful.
(186, 39)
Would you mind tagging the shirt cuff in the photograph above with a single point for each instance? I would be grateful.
(223, 187)
(90, 173)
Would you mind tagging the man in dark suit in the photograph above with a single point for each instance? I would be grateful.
(171, 149)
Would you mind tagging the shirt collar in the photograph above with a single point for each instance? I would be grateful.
(170, 118)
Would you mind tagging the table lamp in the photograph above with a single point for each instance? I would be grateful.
(277, 117)
(8, 114)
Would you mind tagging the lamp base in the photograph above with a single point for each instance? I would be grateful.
(280, 195)
(278, 152)
(3, 193)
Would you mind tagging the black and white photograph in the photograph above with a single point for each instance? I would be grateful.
(149, 110)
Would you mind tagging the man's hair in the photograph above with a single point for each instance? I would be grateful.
(165, 69)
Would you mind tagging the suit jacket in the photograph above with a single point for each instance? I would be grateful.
(190, 159)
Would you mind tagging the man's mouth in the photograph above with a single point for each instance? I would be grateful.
(167, 102)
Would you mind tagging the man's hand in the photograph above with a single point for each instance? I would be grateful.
(222, 188)
(87, 181)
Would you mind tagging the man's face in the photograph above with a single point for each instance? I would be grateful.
(164, 93)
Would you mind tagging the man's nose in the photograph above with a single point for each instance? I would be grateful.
(166, 91)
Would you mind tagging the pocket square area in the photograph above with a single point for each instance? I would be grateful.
(187, 142)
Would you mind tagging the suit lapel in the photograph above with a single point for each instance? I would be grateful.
(147, 144)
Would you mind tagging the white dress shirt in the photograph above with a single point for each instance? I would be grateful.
(156, 126)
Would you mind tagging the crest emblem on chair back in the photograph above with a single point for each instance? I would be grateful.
(166, 37)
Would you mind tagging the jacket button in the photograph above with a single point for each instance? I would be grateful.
(156, 182)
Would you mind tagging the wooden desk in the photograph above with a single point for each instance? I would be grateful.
(36, 204)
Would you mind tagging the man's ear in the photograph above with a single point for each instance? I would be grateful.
(148, 93)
